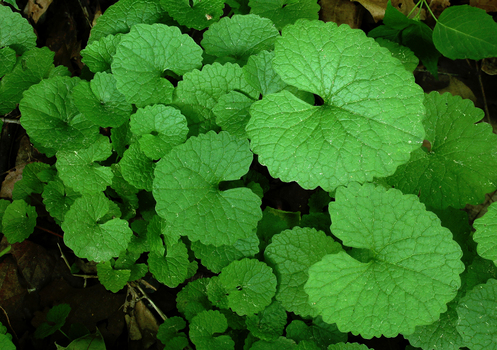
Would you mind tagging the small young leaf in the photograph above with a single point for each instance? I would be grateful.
(169, 335)
(80, 170)
(56, 318)
(486, 234)
(478, 317)
(291, 253)
(249, 284)
(406, 270)
(260, 74)
(283, 12)
(196, 14)
(170, 267)
(144, 56)
(32, 181)
(460, 152)
(239, 37)
(192, 299)
(187, 193)
(113, 280)
(52, 120)
(98, 55)
(18, 221)
(203, 327)
(101, 102)
(91, 233)
(370, 120)
(465, 32)
(232, 113)
(321, 333)
(159, 128)
(137, 168)
(124, 14)
(269, 323)
(15, 31)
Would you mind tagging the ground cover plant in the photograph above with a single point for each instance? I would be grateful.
(164, 151)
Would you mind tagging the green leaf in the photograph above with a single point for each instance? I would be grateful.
(418, 37)
(269, 323)
(87, 342)
(274, 221)
(394, 18)
(408, 267)
(370, 120)
(58, 198)
(459, 152)
(91, 233)
(216, 258)
(402, 53)
(80, 170)
(250, 285)
(187, 194)
(51, 119)
(283, 12)
(486, 234)
(18, 221)
(465, 32)
(13, 3)
(199, 91)
(319, 332)
(478, 317)
(232, 113)
(7, 60)
(260, 74)
(128, 199)
(6, 342)
(239, 37)
(3, 205)
(291, 253)
(217, 293)
(124, 14)
(32, 180)
(113, 280)
(203, 327)
(170, 268)
(137, 168)
(98, 55)
(281, 343)
(192, 299)
(120, 138)
(144, 57)
(30, 69)
(56, 318)
(169, 334)
(159, 128)
(348, 346)
(101, 102)
(196, 14)
(15, 31)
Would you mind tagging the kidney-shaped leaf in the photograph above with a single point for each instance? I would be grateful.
(408, 267)
(368, 124)
(143, 58)
(486, 234)
(197, 14)
(283, 12)
(187, 194)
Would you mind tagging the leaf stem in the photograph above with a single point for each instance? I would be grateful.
(5, 251)
(429, 10)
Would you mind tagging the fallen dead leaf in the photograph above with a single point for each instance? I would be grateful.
(457, 87)
(10, 180)
(377, 8)
(489, 65)
(437, 6)
(487, 5)
(341, 12)
(36, 8)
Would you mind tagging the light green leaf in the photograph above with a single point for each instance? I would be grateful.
(283, 12)
(486, 234)
(91, 233)
(269, 323)
(260, 74)
(128, 201)
(192, 299)
(15, 31)
(159, 128)
(58, 198)
(32, 180)
(478, 317)
(402, 53)
(199, 91)
(459, 164)
(203, 327)
(281, 343)
(406, 266)
(7, 60)
(144, 57)
(232, 113)
(319, 332)
(465, 32)
(101, 102)
(249, 284)
(169, 334)
(186, 190)
(51, 119)
(34, 65)
(56, 318)
(196, 14)
(137, 168)
(18, 221)
(80, 169)
(239, 37)
(370, 120)
(98, 55)
(13, 3)
(124, 14)
(113, 280)
(170, 268)
(215, 258)
(6, 342)
(291, 253)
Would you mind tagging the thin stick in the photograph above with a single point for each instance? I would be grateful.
(8, 321)
(10, 121)
(161, 314)
(485, 105)
(53, 233)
